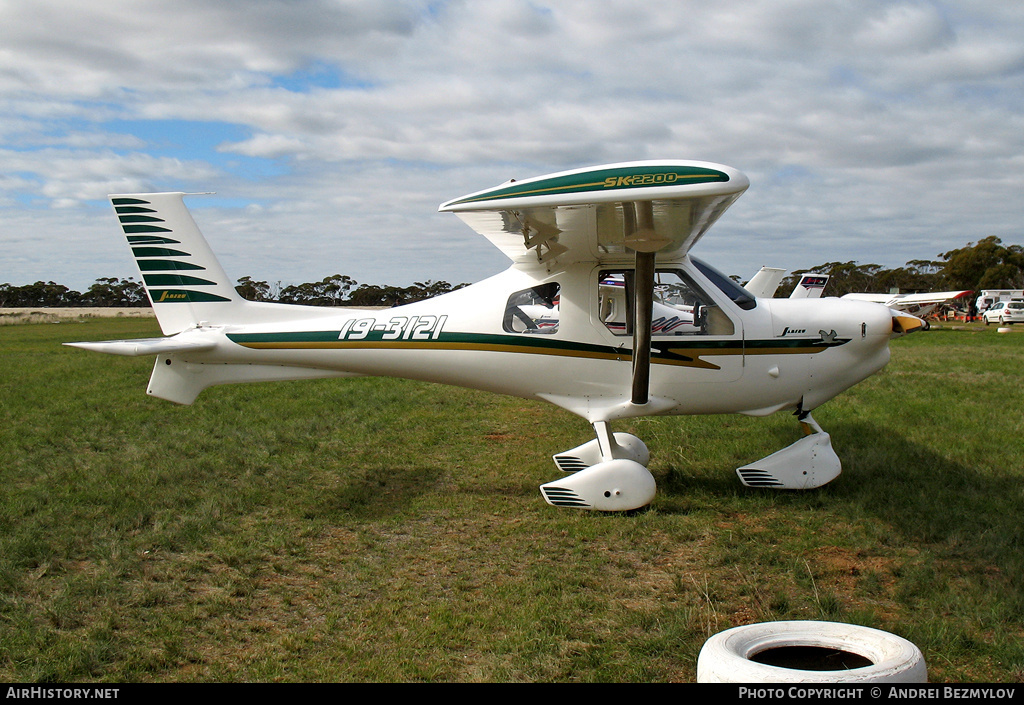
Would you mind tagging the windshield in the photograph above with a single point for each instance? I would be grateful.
(740, 296)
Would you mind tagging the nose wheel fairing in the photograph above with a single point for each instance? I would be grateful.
(809, 463)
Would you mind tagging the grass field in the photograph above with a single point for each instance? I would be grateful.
(386, 530)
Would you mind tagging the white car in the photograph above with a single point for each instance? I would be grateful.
(1004, 312)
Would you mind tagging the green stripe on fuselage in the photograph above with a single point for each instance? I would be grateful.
(686, 353)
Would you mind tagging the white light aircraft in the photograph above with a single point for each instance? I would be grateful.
(920, 305)
(603, 312)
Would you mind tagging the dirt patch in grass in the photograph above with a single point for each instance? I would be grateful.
(16, 316)
(501, 437)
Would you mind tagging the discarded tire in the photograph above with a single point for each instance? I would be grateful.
(809, 652)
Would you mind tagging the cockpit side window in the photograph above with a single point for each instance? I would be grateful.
(681, 308)
(533, 310)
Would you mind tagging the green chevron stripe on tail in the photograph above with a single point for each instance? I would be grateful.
(175, 280)
(166, 241)
(165, 265)
(151, 240)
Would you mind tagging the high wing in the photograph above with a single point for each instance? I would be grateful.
(918, 304)
(615, 212)
(602, 213)
(873, 298)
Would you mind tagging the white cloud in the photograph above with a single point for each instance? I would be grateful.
(906, 29)
(878, 131)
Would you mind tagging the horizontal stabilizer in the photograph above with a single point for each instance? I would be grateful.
(145, 346)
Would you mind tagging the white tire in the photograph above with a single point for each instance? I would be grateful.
(726, 657)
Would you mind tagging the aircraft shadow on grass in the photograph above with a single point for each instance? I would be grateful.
(925, 497)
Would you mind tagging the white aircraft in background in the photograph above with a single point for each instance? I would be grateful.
(599, 257)
(919, 305)
(767, 280)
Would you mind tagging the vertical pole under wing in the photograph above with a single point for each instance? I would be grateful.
(643, 312)
(640, 236)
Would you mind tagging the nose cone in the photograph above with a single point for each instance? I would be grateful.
(903, 323)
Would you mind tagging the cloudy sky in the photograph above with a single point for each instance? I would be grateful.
(330, 130)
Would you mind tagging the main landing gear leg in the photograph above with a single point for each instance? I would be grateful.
(609, 474)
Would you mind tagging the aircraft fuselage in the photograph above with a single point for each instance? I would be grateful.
(776, 354)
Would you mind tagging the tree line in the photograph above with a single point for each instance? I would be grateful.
(342, 290)
(336, 290)
(987, 264)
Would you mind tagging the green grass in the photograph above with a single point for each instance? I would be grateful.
(386, 530)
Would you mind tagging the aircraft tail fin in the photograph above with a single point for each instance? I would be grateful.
(765, 282)
(810, 286)
(182, 276)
